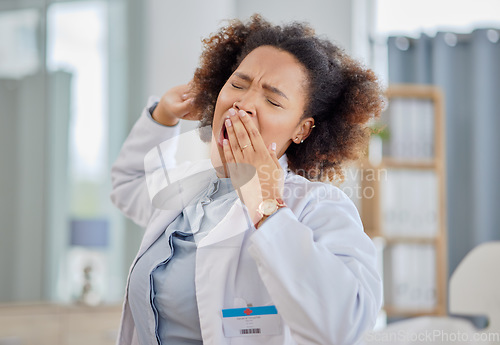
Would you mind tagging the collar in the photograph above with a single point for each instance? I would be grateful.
(283, 160)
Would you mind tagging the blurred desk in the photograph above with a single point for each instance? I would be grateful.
(52, 324)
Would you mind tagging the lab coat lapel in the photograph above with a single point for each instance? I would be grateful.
(237, 220)
(216, 265)
(155, 228)
(234, 223)
(178, 188)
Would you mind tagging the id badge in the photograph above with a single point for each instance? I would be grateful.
(251, 321)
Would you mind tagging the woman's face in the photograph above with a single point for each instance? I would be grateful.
(271, 86)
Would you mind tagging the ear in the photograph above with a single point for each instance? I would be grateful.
(303, 130)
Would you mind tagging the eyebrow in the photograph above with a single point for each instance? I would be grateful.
(273, 89)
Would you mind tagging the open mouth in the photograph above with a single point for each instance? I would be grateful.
(223, 134)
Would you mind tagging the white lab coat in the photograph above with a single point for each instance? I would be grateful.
(311, 260)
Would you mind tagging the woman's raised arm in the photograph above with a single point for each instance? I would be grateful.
(157, 125)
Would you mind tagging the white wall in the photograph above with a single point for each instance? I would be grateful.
(173, 41)
(174, 36)
(331, 18)
(174, 29)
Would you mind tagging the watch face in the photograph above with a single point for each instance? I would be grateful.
(268, 207)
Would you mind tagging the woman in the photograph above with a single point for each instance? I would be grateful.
(258, 249)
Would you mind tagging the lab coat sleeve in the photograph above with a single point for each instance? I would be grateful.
(320, 270)
(128, 176)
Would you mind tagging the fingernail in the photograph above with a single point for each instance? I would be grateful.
(225, 142)
(228, 123)
(242, 113)
(184, 96)
(273, 146)
(232, 112)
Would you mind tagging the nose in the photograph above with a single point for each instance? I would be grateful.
(245, 106)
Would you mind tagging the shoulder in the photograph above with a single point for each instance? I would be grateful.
(298, 187)
(173, 188)
(317, 199)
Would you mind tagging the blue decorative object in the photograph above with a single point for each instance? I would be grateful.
(90, 233)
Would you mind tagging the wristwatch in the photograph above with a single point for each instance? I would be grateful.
(267, 208)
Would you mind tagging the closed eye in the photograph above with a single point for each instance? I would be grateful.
(236, 86)
(274, 103)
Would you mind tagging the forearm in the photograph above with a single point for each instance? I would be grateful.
(128, 173)
(327, 293)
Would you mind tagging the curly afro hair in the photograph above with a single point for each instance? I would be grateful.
(342, 97)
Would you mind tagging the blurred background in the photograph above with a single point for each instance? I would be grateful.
(75, 75)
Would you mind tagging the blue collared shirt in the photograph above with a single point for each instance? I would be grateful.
(165, 272)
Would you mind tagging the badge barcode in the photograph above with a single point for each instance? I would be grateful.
(250, 331)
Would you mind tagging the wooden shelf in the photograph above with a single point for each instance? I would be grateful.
(432, 143)
(394, 163)
(391, 240)
(415, 91)
(407, 312)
